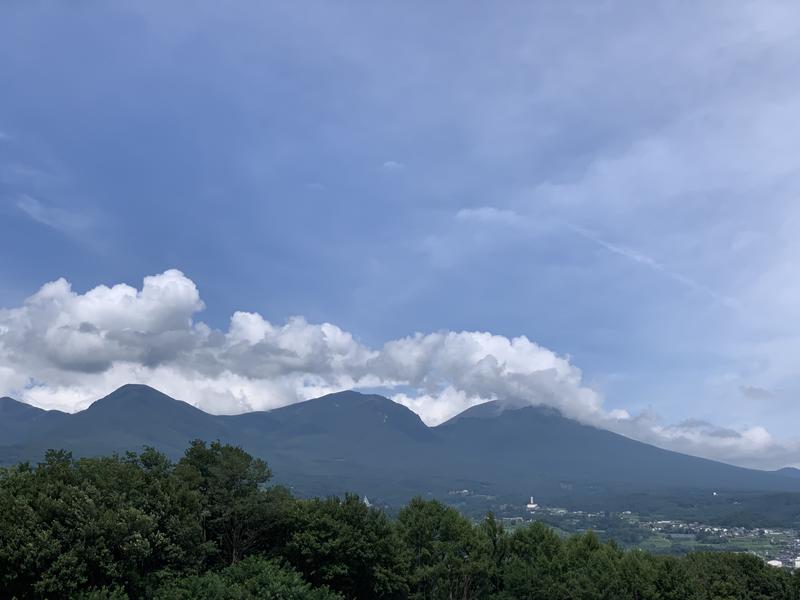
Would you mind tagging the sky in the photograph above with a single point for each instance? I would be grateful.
(590, 205)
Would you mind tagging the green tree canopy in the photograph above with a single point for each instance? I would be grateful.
(138, 526)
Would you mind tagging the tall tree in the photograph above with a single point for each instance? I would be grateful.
(230, 482)
(445, 556)
(348, 546)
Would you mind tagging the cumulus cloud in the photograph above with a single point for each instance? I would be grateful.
(59, 340)
(63, 349)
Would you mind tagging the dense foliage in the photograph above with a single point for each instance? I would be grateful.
(139, 526)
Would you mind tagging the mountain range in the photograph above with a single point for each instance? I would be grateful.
(374, 446)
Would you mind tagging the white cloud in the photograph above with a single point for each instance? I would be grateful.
(63, 349)
(61, 220)
(393, 165)
(490, 214)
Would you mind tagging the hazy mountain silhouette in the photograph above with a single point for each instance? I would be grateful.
(789, 472)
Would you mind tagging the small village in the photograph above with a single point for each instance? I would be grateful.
(778, 547)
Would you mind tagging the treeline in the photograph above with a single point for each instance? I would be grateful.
(207, 527)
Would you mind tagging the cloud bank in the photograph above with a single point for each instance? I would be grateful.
(62, 349)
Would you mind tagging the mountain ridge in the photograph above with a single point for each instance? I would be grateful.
(19, 419)
(369, 443)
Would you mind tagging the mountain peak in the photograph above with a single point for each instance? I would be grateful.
(353, 396)
(499, 408)
(136, 387)
(347, 399)
(355, 413)
(135, 396)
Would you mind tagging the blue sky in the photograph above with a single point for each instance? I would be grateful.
(616, 181)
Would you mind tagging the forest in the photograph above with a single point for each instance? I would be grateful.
(210, 526)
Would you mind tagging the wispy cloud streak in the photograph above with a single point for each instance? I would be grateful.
(652, 264)
(63, 221)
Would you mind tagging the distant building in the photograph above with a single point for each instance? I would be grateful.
(774, 563)
(532, 505)
(366, 501)
(797, 563)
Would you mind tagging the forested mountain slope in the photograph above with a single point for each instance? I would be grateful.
(368, 443)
